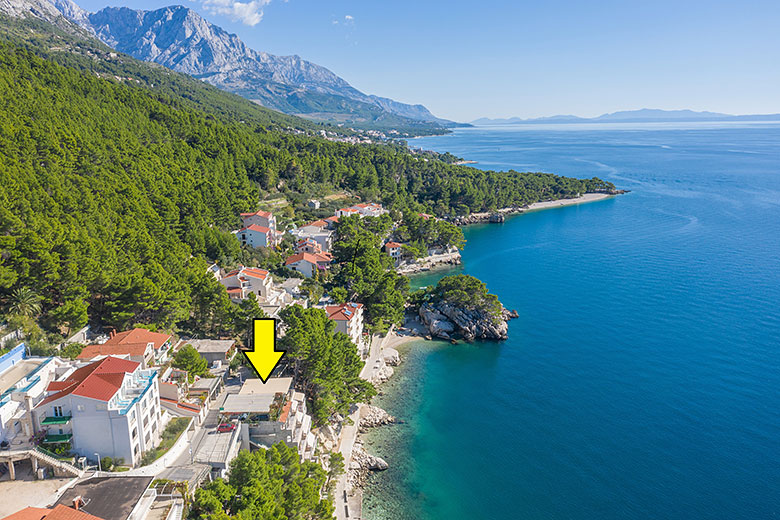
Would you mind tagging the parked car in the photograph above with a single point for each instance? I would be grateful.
(226, 427)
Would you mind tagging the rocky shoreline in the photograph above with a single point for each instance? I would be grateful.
(429, 262)
(448, 322)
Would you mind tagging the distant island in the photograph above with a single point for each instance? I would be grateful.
(644, 115)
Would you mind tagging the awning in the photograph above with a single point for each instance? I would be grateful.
(54, 439)
(56, 420)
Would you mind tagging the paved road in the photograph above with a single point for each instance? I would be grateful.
(232, 386)
(349, 507)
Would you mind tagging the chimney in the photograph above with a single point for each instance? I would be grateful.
(112, 333)
(77, 503)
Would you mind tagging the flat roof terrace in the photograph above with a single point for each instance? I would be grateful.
(20, 370)
(110, 498)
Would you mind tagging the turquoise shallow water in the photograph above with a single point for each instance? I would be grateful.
(642, 379)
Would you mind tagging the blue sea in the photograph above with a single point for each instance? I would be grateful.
(642, 379)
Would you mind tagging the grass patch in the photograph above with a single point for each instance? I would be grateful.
(170, 435)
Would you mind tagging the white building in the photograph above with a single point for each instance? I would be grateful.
(244, 280)
(144, 346)
(256, 236)
(349, 319)
(370, 209)
(274, 412)
(316, 231)
(259, 218)
(109, 407)
(308, 263)
(394, 250)
(22, 386)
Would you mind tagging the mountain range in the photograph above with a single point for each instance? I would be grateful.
(182, 40)
(644, 115)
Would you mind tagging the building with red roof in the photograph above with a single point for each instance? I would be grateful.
(110, 407)
(307, 245)
(141, 345)
(58, 512)
(308, 263)
(366, 209)
(245, 280)
(349, 319)
(394, 250)
(259, 218)
(256, 236)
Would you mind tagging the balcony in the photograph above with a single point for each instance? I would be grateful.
(57, 438)
(50, 421)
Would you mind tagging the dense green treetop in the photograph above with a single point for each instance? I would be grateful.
(326, 363)
(188, 358)
(271, 484)
(113, 196)
(366, 272)
(464, 291)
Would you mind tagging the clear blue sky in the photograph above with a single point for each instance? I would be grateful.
(503, 58)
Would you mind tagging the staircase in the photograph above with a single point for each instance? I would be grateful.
(50, 459)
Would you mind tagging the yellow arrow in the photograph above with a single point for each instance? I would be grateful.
(263, 356)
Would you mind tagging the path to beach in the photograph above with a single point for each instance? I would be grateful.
(350, 506)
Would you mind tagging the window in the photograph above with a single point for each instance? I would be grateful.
(135, 433)
(80, 407)
(58, 411)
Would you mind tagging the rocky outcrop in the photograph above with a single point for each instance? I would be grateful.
(475, 218)
(384, 373)
(391, 357)
(446, 321)
(361, 465)
(373, 416)
(426, 263)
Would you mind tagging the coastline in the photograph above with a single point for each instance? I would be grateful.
(485, 216)
(378, 369)
(584, 199)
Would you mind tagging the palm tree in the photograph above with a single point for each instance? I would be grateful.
(25, 302)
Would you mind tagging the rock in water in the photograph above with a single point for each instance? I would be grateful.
(445, 320)
(373, 416)
(391, 357)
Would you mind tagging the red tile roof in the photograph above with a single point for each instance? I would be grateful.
(28, 513)
(254, 227)
(254, 272)
(285, 412)
(59, 512)
(393, 244)
(318, 223)
(132, 343)
(264, 214)
(343, 312)
(312, 258)
(99, 380)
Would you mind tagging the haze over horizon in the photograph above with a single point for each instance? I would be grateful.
(508, 59)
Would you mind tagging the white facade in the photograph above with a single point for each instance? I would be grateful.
(17, 401)
(303, 266)
(125, 425)
(260, 218)
(349, 320)
(256, 236)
